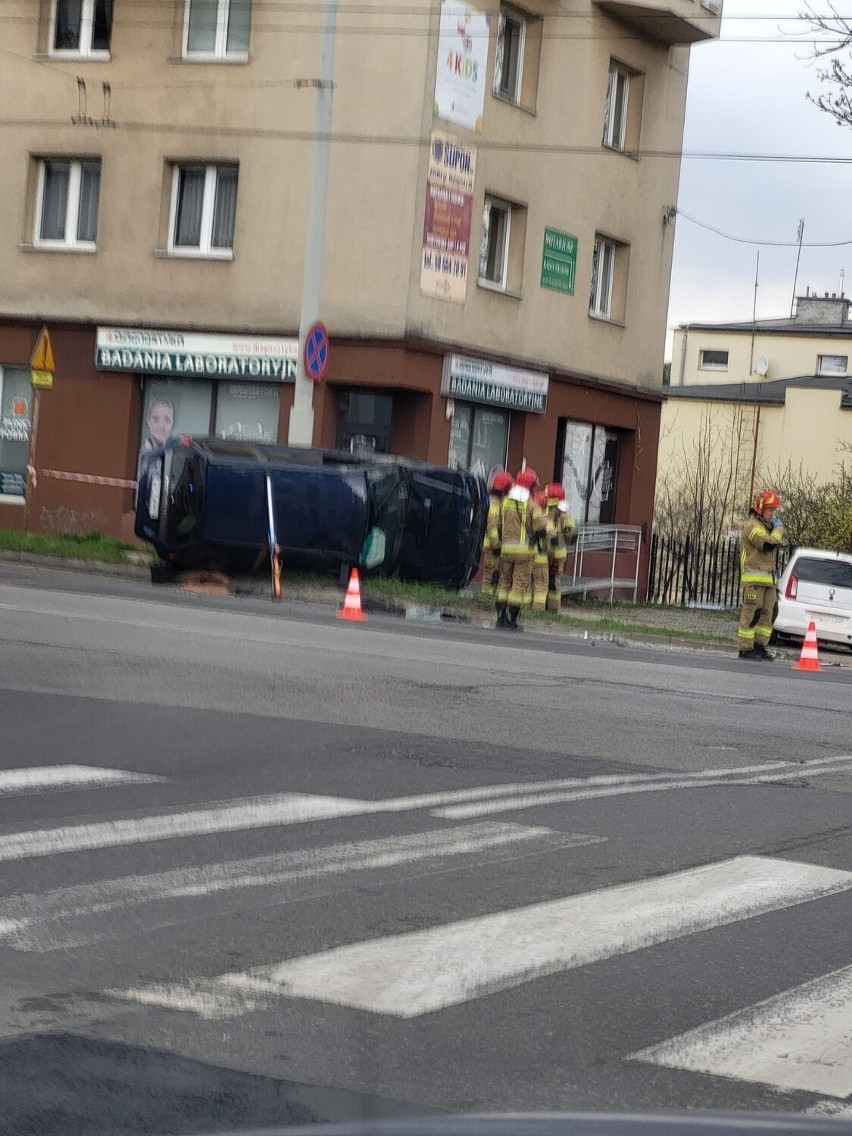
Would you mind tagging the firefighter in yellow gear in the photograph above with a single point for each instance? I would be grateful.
(562, 532)
(537, 594)
(500, 486)
(521, 523)
(761, 536)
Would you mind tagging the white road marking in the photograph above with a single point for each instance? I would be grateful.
(204, 1003)
(299, 808)
(110, 909)
(799, 1039)
(41, 777)
(419, 972)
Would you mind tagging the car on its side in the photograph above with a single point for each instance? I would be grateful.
(816, 585)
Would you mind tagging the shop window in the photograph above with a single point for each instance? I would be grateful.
(713, 360)
(501, 250)
(608, 293)
(364, 420)
(832, 364)
(203, 210)
(479, 438)
(81, 28)
(15, 399)
(248, 411)
(518, 56)
(589, 471)
(67, 201)
(623, 107)
(217, 29)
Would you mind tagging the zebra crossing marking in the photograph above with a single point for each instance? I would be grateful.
(34, 779)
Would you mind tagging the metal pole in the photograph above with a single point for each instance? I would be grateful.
(799, 237)
(301, 432)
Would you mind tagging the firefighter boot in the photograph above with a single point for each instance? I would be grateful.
(513, 624)
(502, 619)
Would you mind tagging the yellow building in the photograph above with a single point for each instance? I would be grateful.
(747, 401)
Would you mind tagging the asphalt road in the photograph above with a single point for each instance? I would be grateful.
(261, 866)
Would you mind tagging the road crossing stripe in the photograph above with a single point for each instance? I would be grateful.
(799, 1039)
(41, 777)
(423, 971)
(110, 909)
(299, 808)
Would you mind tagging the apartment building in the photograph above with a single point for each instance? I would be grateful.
(497, 254)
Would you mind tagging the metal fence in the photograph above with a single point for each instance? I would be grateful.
(693, 573)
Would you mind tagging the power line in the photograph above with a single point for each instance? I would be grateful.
(749, 241)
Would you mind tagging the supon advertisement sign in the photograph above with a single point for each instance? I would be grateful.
(448, 217)
(462, 62)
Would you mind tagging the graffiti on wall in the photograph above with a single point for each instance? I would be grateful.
(72, 522)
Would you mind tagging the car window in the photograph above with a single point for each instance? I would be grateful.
(834, 573)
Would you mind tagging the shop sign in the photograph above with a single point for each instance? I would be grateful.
(191, 355)
(462, 63)
(447, 221)
(14, 428)
(12, 484)
(559, 261)
(476, 380)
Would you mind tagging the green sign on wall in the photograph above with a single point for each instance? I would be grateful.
(559, 261)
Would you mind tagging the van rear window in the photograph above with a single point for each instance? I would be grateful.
(832, 573)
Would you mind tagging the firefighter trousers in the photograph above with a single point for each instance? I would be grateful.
(514, 578)
(490, 573)
(758, 603)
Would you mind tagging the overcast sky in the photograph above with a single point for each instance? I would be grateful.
(751, 97)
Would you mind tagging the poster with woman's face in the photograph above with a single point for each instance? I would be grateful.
(173, 407)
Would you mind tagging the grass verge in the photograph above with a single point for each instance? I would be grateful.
(91, 546)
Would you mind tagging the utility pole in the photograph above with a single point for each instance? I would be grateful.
(301, 432)
(799, 235)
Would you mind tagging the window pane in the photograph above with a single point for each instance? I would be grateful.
(189, 205)
(201, 33)
(66, 33)
(90, 184)
(575, 467)
(831, 573)
(601, 495)
(460, 437)
(15, 396)
(832, 364)
(619, 109)
(174, 407)
(54, 205)
(496, 244)
(605, 271)
(101, 25)
(247, 410)
(512, 37)
(239, 25)
(224, 208)
(490, 435)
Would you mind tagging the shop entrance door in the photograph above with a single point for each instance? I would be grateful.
(364, 420)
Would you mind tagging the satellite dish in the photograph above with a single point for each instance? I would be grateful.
(762, 366)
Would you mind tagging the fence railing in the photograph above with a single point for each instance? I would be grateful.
(693, 573)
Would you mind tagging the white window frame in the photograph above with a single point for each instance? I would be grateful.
(821, 368)
(220, 52)
(706, 366)
(506, 208)
(508, 15)
(600, 299)
(205, 249)
(72, 205)
(87, 23)
(616, 71)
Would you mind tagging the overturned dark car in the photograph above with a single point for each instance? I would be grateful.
(209, 503)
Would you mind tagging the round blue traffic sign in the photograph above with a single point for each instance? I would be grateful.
(316, 352)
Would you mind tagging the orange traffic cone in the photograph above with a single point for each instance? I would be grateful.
(352, 603)
(809, 660)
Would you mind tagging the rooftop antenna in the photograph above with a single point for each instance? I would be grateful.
(799, 235)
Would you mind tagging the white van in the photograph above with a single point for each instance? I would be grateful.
(816, 585)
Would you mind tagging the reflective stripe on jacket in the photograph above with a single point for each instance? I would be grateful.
(757, 551)
(520, 521)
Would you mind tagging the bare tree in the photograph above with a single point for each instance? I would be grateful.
(833, 46)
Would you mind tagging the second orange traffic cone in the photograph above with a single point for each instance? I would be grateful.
(809, 659)
(352, 603)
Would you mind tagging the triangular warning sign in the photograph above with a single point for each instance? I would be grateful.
(42, 356)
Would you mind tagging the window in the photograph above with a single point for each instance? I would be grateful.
(711, 360)
(217, 29)
(518, 56)
(81, 27)
(67, 200)
(589, 471)
(494, 249)
(478, 439)
(509, 68)
(608, 293)
(15, 396)
(203, 210)
(832, 364)
(615, 114)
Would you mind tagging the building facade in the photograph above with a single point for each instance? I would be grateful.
(767, 397)
(497, 250)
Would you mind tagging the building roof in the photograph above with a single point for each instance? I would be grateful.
(776, 327)
(772, 393)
